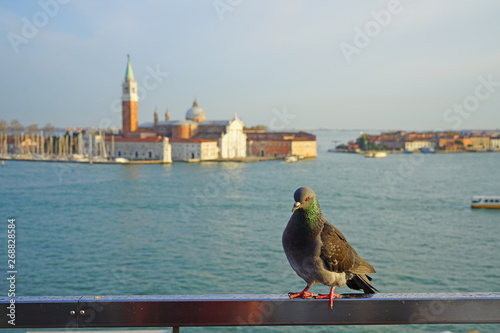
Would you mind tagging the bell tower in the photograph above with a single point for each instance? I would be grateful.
(129, 101)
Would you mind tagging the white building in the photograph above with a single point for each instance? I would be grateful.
(194, 150)
(229, 135)
(495, 143)
(149, 148)
(419, 144)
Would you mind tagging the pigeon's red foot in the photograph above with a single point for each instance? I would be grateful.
(302, 294)
(329, 296)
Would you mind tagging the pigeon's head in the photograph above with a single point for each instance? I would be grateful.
(304, 197)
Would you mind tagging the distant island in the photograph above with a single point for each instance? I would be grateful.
(425, 142)
(192, 139)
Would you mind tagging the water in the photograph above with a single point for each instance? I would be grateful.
(215, 228)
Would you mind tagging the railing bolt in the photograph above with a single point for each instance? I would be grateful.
(82, 312)
(72, 312)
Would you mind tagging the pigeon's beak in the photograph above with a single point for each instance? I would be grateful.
(296, 206)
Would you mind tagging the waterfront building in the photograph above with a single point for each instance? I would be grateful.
(353, 146)
(479, 143)
(450, 143)
(281, 144)
(466, 142)
(391, 142)
(148, 148)
(495, 143)
(415, 145)
(194, 150)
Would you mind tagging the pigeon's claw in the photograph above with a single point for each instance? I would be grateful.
(302, 294)
(329, 296)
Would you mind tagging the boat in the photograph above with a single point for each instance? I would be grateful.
(427, 150)
(291, 158)
(376, 154)
(80, 158)
(485, 201)
(121, 160)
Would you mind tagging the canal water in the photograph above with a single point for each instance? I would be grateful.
(215, 228)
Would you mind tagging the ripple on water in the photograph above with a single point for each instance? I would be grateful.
(216, 228)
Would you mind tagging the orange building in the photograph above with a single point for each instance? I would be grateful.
(449, 143)
(281, 144)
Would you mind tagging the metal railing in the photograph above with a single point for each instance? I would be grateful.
(247, 310)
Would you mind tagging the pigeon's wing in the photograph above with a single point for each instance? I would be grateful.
(338, 255)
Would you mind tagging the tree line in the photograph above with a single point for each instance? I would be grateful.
(17, 128)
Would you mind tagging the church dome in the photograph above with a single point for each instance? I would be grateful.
(195, 113)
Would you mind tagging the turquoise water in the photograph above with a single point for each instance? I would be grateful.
(215, 228)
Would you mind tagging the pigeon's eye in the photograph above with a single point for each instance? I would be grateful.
(306, 199)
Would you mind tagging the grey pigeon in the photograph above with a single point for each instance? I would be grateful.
(319, 253)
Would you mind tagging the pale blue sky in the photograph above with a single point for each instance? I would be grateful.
(257, 58)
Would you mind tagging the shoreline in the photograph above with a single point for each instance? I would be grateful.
(415, 152)
(132, 162)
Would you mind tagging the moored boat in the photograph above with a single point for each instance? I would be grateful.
(485, 201)
(427, 150)
(376, 154)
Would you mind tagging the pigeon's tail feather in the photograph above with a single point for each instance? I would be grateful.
(361, 282)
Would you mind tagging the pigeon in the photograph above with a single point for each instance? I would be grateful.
(319, 253)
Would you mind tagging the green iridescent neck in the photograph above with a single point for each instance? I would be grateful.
(313, 212)
(311, 221)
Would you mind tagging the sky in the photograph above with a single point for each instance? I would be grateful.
(411, 65)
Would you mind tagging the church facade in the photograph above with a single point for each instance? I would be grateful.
(229, 135)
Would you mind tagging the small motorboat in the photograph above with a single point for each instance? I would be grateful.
(427, 150)
(485, 201)
(291, 158)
